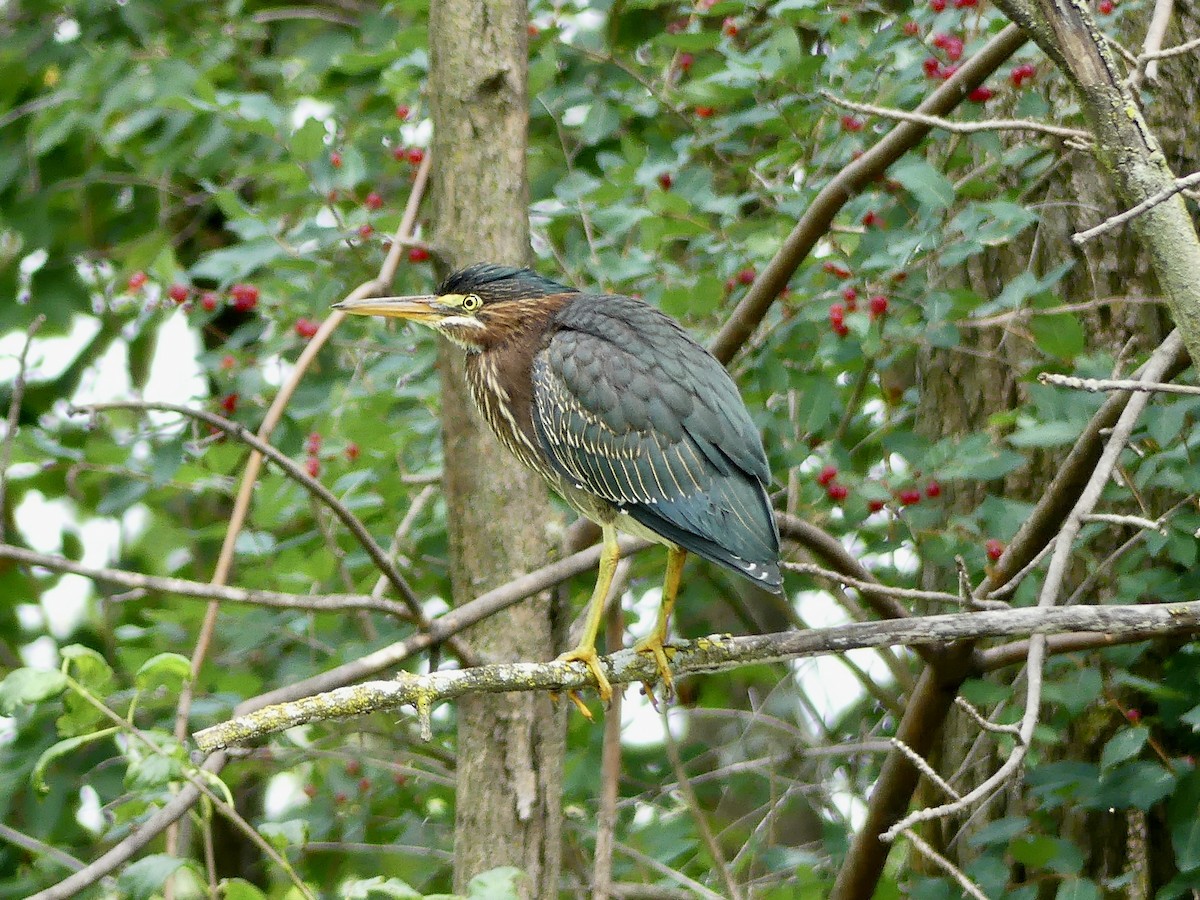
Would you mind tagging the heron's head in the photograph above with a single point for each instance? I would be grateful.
(478, 307)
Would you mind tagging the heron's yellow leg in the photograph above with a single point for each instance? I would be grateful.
(585, 650)
(653, 644)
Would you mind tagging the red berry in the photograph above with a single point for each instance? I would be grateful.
(352, 451)
(878, 305)
(312, 465)
(228, 362)
(933, 489)
(932, 66)
(828, 474)
(353, 768)
(399, 154)
(953, 47)
(306, 328)
(939, 39)
(335, 159)
(312, 443)
(746, 276)
(947, 72)
(1021, 73)
(208, 300)
(937, 5)
(418, 255)
(340, 798)
(310, 791)
(229, 403)
(850, 295)
(980, 95)
(841, 329)
(1105, 7)
(684, 62)
(364, 785)
(909, 496)
(402, 112)
(911, 28)
(415, 155)
(1133, 715)
(532, 30)
(837, 492)
(871, 218)
(705, 112)
(365, 231)
(373, 201)
(837, 315)
(245, 297)
(137, 281)
(965, 4)
(875, 505)
(730, 27)
(994, 549)
(665, 181)
(851, 123)
(834, 269)
(678, 26)
(179, 292)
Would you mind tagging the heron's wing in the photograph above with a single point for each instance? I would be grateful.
(628, 407)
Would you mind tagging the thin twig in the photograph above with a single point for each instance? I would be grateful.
(1095, 385)
(945, 865)
(984, 723)
(901, 115)
(184, 588)
(1188, 181)
(14, 415)
(925, 768)
(1136, 521)
(692, 802)
(39, 848)
(1177, 50)
(901, 593)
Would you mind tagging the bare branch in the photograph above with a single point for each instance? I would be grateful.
(1177, 50)
(712, 654)
(901, 593)
(1095, 385)
(185, 588)
(945, 865)
(887, 112)
(1181, 184)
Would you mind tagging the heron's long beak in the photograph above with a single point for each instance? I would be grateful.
(418, 309)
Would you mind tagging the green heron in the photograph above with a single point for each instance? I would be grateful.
(631, 421)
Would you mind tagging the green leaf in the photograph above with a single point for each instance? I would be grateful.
(169, 669)
(1124, 745)
(1184, 823)
(95, 676)
(502, 883)
(22, 686)
(365, 888)
(62, 748)
(1001, 831)
(1060, 337)
(928, 186)
(308, 141)
(1078, 889)
(239, 889)
(143, 879)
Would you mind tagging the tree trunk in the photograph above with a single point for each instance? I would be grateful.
(501, 522)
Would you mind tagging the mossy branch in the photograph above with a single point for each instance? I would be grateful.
(717, 653)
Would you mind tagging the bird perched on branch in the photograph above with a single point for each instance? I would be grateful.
(629, 419)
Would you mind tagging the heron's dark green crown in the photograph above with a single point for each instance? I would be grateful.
(493, 283)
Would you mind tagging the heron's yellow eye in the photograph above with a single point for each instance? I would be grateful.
(471, 302)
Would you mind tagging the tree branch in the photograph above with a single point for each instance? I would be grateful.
(185, 588)
(712, 654)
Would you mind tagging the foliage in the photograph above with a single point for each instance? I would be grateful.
(184, 189)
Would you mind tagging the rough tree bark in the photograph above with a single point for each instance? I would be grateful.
(510, 746)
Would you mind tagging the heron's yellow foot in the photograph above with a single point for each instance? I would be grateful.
(590, 658)
(655, 645)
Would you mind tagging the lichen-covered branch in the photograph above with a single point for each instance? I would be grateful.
(711, 654)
